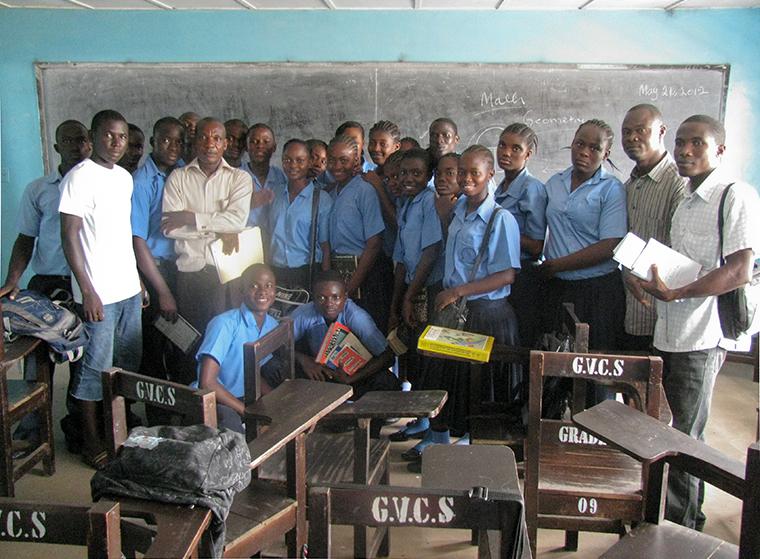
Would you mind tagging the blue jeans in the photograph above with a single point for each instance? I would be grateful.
(688, 379)
(114, 341)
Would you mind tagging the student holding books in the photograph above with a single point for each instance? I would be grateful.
(479, 226)
(311, 323)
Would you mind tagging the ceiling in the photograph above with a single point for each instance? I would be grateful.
(503, 5)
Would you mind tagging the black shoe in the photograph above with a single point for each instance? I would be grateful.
(401, 435)
(412, 455)
(415, 467)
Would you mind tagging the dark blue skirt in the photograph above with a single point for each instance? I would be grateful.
(500, 382)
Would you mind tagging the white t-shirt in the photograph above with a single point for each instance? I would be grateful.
(102, 198)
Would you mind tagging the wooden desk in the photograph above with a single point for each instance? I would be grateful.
(291, 409)
(19, 398)
(261, 513)
(382, 405)
(622, 427)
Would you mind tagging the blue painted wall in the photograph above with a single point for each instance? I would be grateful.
(648, 37)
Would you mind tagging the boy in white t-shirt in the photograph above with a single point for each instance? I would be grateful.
(96, 234)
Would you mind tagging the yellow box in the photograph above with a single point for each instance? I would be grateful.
(456, 343)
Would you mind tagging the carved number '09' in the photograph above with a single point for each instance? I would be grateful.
(587, 505)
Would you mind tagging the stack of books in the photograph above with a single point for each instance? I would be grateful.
(341, 349)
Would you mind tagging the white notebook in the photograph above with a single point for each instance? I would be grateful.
(231, 266)
(675, 269)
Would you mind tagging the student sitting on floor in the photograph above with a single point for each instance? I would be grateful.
(220, 356)
(310, 324)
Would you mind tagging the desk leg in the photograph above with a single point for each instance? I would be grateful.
(296, 487)
(361, 476)
(44, 367)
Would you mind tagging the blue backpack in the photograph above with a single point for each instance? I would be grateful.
(34, 314)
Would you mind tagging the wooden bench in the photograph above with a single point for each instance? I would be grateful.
(574, 482)
(19, 398)
(657, 446)
(388, 506)
(340, 458)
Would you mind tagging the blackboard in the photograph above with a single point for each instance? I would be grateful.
(309, 100)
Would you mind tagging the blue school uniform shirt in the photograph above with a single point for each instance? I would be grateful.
(418, 228)
(223, 342)
(466, 232)
(525, 199)
(38, 217)
(147, 197)
(290, 225)
(593, 212)
(355, 217)
(276, 181)
(308, 323)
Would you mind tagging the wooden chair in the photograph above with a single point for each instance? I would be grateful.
(339, 458)
(574, 482)
(193, 406)
(261, 513)
(19, 398)
(94, 526)
(658, 446)
(494, 508)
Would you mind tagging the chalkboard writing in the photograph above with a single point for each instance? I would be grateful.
(311, 100)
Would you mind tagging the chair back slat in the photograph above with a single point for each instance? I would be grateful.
(194, 405)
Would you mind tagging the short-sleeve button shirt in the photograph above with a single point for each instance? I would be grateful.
(418, 228)
(465, 236)
(525, 199)
(223, 342)
(290, 226)
(355, 217)
(594, 211)
(38, 217)
(147, 197)
(308, 323)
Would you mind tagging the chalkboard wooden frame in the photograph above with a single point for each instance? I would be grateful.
(312, 99)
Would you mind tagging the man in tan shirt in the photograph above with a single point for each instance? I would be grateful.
(204, 200)
(653, 192)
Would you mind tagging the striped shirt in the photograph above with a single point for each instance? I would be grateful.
(652, 199)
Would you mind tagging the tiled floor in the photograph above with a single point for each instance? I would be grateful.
(731, 429)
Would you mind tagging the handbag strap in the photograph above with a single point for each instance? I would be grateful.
(481, 252)
(484, 243)
(720, 221)
(313, 230)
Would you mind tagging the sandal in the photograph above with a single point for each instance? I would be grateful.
(97, 461)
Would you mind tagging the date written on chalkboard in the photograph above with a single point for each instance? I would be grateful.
(654, 92)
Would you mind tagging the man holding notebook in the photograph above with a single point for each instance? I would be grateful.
(653, 192)
(203, 201)
(687, 333)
